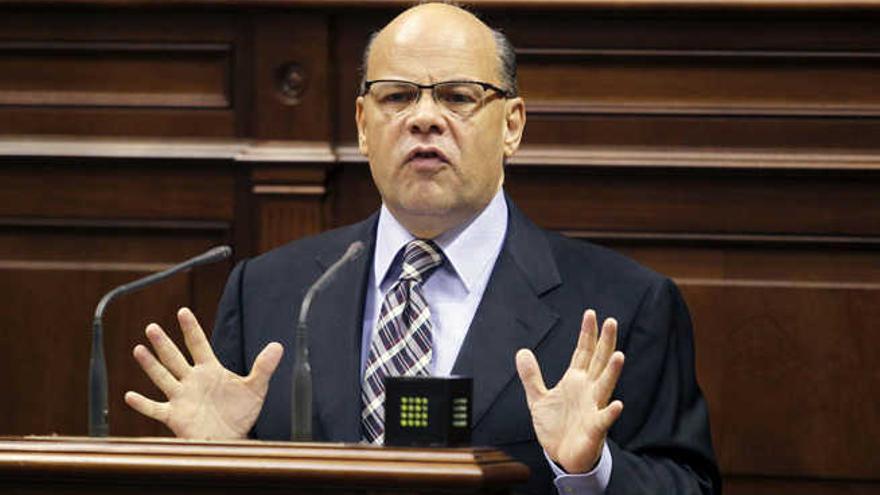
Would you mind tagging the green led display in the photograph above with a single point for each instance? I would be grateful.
(413, 412)
(460, 412)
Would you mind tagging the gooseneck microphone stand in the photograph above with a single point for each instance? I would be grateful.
(99, 425)
(301, 397)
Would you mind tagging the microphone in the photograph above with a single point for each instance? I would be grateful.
(98, 410)
(301, 407)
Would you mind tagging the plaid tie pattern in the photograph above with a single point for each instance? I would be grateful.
(401, 343)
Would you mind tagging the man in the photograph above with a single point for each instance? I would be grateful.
(456, 280)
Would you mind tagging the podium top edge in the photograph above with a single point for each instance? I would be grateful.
(249, 448)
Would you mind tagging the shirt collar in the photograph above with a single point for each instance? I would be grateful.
(468, 248)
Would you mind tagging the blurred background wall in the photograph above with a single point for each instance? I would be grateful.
(733, 145)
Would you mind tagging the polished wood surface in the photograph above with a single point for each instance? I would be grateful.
(43, 464)
(751, 5)
(733, 145)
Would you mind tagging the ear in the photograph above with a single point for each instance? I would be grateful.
(515, 123)
(361, 125)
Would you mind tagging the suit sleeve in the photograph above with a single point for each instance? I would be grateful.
(227, 339)
(661, 443)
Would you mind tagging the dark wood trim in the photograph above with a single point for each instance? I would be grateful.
(678, 158)
(579, 53)
(631, 5)
(776, 284)
(705, 239)
(288, 190)
(85, 266)
(562, 107)
(246, 151)
(257, 462)
(107, 224)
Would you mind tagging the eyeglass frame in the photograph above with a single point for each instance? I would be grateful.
(506, 94)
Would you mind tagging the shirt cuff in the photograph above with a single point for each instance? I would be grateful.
(592, 483)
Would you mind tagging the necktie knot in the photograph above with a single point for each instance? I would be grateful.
(420, 258)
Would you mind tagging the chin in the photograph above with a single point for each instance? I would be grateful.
(425, 207)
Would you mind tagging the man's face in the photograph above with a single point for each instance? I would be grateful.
(431, 166)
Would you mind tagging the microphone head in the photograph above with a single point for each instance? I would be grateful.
(219, 253)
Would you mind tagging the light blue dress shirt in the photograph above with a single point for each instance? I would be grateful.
(453, 293)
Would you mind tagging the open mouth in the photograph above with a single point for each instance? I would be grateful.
(426, 156)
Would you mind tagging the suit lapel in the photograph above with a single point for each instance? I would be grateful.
(335, 339)
(512, 314)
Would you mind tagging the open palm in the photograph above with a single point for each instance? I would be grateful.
(205, 400)
(572, 419)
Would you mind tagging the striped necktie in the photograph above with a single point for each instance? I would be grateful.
(401, 343)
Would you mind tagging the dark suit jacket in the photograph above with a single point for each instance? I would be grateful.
(540, 286)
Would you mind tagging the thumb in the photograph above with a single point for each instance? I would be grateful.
(265, 365)
(530, 375)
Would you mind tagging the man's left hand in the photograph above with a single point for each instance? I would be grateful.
(573, 418)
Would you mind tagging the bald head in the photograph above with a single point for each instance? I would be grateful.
(440, 29)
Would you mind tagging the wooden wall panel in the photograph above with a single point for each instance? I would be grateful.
(712, 132)
(81, 188)
(286, 216)
(117, 122)
(783, 338)
(800, 355)
(292, 80)
(700, 82)
(120, 74)
(351, 33)
(700, 201)
(51, 279)
(48, 74)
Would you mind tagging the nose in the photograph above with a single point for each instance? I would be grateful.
(426, 116)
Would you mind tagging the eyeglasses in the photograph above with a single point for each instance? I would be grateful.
(462, 98)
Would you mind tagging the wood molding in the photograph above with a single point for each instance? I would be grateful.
(246, 151)
(733, 159)
(111, 224)
(83, 266)
(696, 158)
(776, 284)
(573, 107)
(690, 238)
(628, 5)
(260, 461)
(528, 53)
(289, 190)
(287, 152)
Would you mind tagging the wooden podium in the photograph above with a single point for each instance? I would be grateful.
(53, 465)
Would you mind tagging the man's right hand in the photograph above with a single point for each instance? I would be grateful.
(205, 400)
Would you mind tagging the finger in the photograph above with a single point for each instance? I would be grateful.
(586, 343)
(194, 336)
(149, 408)
(604, 349)
(167, 351)
(530, 375)
(157, 373)
(609, 414)
(264, 366)
(608, 379)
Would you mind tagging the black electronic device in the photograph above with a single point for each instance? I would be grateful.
(428, 411)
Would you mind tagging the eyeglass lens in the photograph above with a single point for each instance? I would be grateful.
(461, 98)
